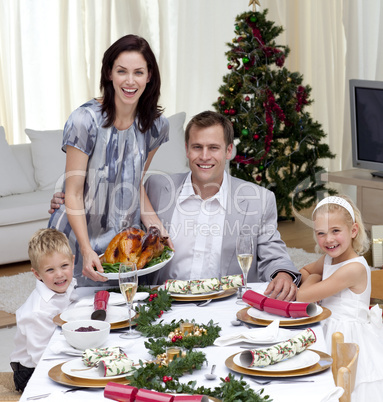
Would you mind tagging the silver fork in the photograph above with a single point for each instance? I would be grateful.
(46, 395)
(204, 303)
(265, 382)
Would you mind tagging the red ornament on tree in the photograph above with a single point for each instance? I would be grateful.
(223, 102)
(226, 111)
(232, 112)
(256, 137)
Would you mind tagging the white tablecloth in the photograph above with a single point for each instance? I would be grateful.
(222, 312)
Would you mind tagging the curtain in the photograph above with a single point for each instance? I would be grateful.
(51, 52)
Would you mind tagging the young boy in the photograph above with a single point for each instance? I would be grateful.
(52, 263)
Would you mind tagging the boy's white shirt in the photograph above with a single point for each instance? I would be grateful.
(35, 324)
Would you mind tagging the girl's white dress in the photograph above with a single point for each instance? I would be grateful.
(351, 316)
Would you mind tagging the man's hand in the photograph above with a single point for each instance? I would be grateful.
(57, 200)
(282, 287)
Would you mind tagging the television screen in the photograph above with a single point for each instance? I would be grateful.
(369, 124)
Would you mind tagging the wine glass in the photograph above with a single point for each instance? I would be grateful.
(245, 252)
(128, 280)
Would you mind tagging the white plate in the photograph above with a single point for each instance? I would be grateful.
(305, 359)
(114, 314)
(115, 299)
(191, 295)
(143, 271)
(92, 373)
(264, 315)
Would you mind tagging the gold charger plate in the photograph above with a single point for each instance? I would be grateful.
(117, 325)
(226, 293)
(324, 363)
(57, 375)
(243, 316)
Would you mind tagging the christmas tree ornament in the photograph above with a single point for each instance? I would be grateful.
(245, 131)
(253, 3)
(245, 60)
(288, 79)
(256, 137)
(231, 89)
(229, 66)
(258, 178)
(261, 167)
(223, 102)
(247, 98)
(226, 111)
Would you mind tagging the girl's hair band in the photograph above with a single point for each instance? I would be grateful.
(339, 201)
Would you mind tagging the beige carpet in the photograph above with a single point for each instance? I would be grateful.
(7, 388)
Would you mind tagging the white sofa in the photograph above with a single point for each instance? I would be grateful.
(31, 173)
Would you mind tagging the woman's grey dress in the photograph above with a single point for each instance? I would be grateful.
(112, 182)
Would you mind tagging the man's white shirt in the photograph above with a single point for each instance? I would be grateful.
(196, 230)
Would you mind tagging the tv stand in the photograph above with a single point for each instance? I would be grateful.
(377, 174)
(369, 192)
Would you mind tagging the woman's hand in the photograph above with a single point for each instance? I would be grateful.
(91, 260)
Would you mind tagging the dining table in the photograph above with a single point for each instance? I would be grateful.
(318, 386)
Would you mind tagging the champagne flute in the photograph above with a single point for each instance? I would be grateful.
(128, 281)
(245, 252)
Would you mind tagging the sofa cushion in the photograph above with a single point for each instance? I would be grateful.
(47, 156)
(171, 156)
(26, 207)
(12, 178)
(23, 155)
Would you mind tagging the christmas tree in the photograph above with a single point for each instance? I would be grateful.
(277, 142)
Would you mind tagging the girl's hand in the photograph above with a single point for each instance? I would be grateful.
(91, 260)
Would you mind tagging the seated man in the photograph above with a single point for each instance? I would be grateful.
(206, 209)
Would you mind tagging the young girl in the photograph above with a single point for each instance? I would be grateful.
(342, 280)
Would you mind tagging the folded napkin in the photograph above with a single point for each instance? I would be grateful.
(333, 395)
(63, 347)
(270, 334)
(279, 352)
(115, 299)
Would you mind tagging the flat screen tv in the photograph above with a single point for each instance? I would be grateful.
(367, 125)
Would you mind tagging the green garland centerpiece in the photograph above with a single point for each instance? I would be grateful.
(163, 376)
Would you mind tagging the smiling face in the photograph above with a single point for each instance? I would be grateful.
(334, 236)
(207, 154)
(56, 271)
(129, 76)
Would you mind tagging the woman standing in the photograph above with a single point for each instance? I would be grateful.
(109, 144)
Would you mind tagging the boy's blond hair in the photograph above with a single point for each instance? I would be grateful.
(45, 242)
(360, 243)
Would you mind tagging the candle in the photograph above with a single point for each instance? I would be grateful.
(187, 327)
(172, 352)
